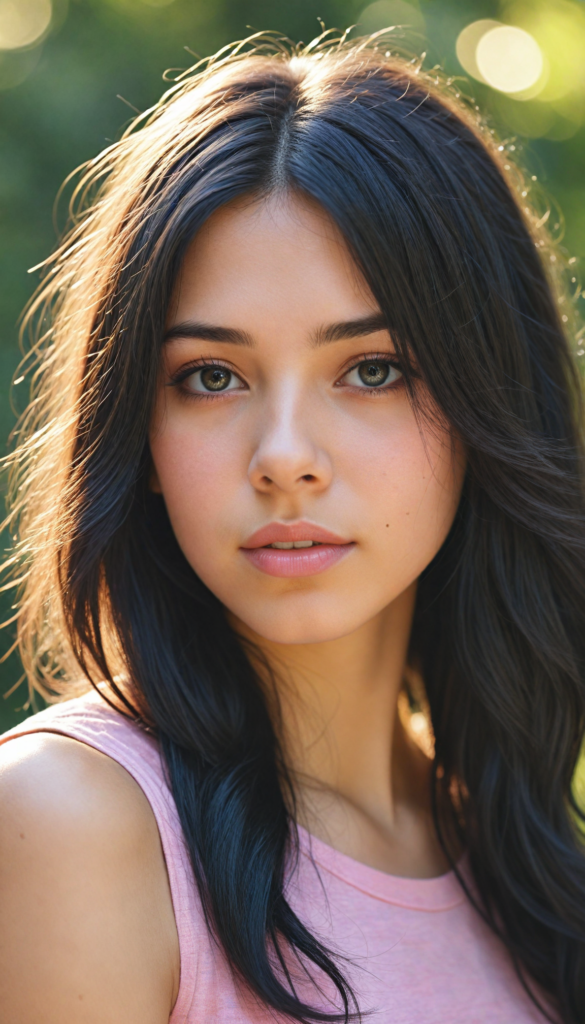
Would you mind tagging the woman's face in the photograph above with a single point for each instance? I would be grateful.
(282, 418)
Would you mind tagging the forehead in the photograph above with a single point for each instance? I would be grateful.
(281, 257)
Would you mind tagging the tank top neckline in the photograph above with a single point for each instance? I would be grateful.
(430, 894)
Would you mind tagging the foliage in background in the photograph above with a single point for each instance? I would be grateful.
(63, 100)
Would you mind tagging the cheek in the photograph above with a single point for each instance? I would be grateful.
(200, 474)
(409, 478)
(407, 482)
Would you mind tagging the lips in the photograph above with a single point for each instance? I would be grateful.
(329, 548)
(282, 533)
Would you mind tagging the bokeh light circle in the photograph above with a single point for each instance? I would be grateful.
(466, 45)
(22, 22)
(509, 59)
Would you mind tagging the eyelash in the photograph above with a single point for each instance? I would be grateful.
(185, 372)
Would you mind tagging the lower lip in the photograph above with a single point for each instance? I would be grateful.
(297, 561)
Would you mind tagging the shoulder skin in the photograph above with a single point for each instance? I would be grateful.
(87, 931)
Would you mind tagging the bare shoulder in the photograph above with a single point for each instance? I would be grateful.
(60, 783)
(87, 931)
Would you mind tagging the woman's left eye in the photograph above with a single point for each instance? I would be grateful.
(372, 373)
(209, 380)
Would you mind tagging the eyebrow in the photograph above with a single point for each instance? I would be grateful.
(351, 329)
(207, 332)
(340, 331)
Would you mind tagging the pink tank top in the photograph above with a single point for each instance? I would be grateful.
(419, 953)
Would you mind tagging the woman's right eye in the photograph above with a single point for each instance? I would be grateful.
(210, 380)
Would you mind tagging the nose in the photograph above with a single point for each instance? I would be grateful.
(287, 458)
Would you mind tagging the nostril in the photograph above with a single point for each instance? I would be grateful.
(309, 477)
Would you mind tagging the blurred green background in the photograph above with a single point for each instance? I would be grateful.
(74, 72)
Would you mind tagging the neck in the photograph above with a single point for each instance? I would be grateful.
(362, 784)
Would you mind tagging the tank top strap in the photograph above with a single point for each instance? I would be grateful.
(89, 719)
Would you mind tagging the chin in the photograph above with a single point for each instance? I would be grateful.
(291, 634)
(298, 625)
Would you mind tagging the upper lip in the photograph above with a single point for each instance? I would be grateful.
(279, 533)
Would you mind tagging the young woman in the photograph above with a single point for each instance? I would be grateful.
(303, 455)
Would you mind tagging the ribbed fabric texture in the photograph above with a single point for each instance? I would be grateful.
(418, 951)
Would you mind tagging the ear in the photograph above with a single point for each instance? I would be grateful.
(153, 480)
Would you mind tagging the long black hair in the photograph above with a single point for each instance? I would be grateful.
(448, 242)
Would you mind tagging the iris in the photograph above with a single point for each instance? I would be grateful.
(374, 373)
(215, 378)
